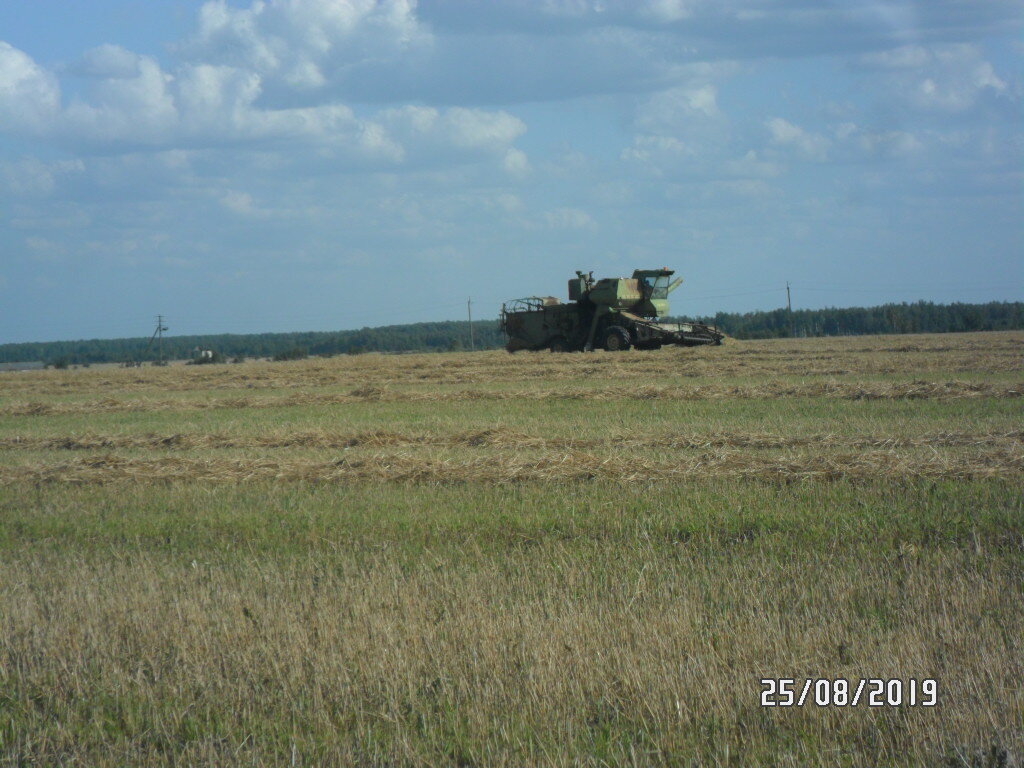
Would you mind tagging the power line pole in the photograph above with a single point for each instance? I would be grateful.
(789, 310)
(469, 312)
(160, 328)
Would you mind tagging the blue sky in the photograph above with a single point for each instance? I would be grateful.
(327, 164)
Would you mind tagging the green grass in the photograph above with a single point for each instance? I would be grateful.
(231, 621)
(301, 520)
(561, 417)
(505, 625)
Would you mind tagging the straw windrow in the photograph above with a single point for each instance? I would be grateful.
(915, 390)
(548, 467)
(499, 437)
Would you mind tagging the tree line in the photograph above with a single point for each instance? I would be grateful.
(419, 337)
(918, 317)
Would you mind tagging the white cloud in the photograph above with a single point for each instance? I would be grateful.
(951, 78)
(109, 61)
(651, 126)
(31, 177)
(667, 11)
(675, 109)
(956, 79)
(785, 134)
(751, 166)
(682, 126)
(509, 203)
(427, 130)
(479, 129)
(139, 108)
(29, 95)
(656, 150)
(621, 11)
(133, 101)
(516, 163)
(300, 41)
(857, 141)
(239, 202)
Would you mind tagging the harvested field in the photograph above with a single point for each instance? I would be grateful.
(974, 354)
(501, 438)
(486, 559)
(914, 390)
(557, 468)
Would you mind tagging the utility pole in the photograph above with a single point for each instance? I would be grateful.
(789, 310)
(159, 333)
(469, 312)
(158, 337)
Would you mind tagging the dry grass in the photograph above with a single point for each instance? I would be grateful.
(558, 467)
(914, 390)
(632, 635)
(948, 354)
(512, 661)
(496, 560)
(501, 437)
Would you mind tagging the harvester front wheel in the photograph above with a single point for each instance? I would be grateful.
(616, 339)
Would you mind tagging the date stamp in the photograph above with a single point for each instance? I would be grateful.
(839, 692)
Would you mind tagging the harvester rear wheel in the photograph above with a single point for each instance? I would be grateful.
(616, 339)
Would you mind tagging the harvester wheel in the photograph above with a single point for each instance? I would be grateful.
(559, 344)
(616, 339)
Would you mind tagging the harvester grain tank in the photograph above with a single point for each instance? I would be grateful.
(615, 313)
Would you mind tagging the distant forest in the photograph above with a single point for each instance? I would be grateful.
(919, 317)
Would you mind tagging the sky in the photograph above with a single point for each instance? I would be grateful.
(286, 165)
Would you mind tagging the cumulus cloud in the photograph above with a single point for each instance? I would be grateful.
(29, 95)
(304, 43)
(218, 96)
(284, 139)
(621, 11)
(676, 109)
(108, 61)
(751, 165)
(949, 78)
(808, 145)
(516, 163)
(29, 176)
(477, 129)
(460, 51)
(681, 125)
(901, 57)
(137, 108)
(429, 131)
(239, 202)
(655, 150)
(875, 144)
(132, 101)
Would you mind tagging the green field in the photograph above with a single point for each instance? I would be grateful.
(483, 559)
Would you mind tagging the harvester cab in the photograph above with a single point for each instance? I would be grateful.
(655, 286)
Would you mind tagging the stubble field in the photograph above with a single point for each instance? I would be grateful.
(484, 559)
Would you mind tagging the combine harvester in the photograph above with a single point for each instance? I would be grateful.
(615, 313)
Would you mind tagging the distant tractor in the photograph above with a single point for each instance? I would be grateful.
(615, 313)
(204, 357)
